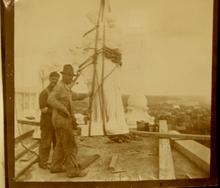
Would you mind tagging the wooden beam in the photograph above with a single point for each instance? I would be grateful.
(29, 122)
(166, 166)
(194, 151)
(172, 135)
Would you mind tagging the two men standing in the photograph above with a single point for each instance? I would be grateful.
(63, 120)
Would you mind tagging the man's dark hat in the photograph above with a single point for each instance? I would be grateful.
(68, 70)
(54, 74)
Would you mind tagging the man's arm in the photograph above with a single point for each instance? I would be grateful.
(43, 102)
(55, 103)
(79, 96)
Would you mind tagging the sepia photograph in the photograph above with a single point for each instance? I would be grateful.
(113, 90)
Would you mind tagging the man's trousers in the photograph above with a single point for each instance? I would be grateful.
(47, 140)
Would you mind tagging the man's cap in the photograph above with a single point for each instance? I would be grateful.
(68, 70)
(54, 74)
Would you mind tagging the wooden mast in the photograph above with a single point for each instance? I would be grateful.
(100, 26)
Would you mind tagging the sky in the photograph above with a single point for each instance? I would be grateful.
(166, 45)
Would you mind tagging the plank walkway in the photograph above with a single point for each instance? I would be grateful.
(166, 166)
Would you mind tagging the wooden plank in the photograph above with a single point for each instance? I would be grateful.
(24, 136)
(118, 171)
(172, 135)
(166, 166)
(29, 155)
(113, 163)
(89, 161)
(22, 167)
(29, 146)
(195, 152)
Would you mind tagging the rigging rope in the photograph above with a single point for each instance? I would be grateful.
(105, 79)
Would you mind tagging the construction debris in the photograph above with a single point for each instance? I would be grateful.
(118, 171)
(119, 138)
(188, 176)
(125, 138)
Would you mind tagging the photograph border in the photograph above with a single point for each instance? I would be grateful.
(7, 44)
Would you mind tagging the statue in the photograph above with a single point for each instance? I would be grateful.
(137, 110)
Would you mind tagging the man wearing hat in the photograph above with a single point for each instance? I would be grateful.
(63, 120)
(47, 129)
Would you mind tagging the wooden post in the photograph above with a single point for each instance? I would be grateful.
(95, 76)
(166, 166)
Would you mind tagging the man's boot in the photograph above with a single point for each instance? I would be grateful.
(79, 173)
(58, 170)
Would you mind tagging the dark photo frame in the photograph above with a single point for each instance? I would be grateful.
(8, 74)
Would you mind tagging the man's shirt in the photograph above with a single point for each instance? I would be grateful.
(43, 97)
(61, 97)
